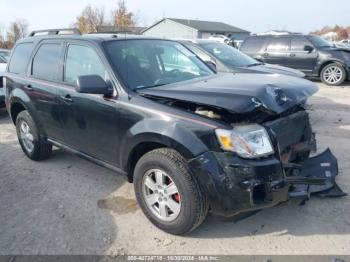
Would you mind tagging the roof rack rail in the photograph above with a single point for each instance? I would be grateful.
(61, 31)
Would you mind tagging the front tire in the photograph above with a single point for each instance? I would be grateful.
(167, 193)
(333, 74)
(33, 145)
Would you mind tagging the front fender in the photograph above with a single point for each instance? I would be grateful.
(170, 134)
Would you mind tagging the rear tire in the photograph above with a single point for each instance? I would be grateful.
(33, 145)
(192, 205)
(333, 74)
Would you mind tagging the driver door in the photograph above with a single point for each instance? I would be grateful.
(90, 122)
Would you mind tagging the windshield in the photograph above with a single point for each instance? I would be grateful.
(5, 55)
(228, 54)
(319, 42)
(149, 63)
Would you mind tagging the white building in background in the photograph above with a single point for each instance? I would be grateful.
(192, 29)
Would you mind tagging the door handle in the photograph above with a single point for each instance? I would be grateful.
(292, 55)
(265, 55)
(29, 87)
(67, 99)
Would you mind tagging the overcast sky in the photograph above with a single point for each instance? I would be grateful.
(252, 15)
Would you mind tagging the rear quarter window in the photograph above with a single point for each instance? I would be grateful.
(20, 58)
(253, 45)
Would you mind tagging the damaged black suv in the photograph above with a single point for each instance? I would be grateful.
(190, 140)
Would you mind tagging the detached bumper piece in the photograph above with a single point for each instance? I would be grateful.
(316, 176)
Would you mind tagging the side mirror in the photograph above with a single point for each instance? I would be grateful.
(308, 48)
(92, 84)
(211, 65)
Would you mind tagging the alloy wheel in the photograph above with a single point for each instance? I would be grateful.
(27, 137)
(161, 195)
(333, 74)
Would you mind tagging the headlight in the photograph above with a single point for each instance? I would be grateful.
(248, 141)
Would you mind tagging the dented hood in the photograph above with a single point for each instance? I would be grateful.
(240, 93)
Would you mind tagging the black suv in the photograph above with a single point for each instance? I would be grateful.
(311, 54)
(189, 139)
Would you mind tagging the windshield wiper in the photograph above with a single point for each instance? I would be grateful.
(255, 64)
(146, 87)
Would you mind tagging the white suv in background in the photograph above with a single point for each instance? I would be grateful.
(221, 38)
(4, 57)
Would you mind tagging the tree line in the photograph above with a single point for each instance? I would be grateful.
(92, 19)
(342, 32)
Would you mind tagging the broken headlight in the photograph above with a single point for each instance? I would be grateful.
(248, 141)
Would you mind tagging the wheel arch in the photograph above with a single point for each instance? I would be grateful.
(19, 102)
(149, 143)
(332, 61)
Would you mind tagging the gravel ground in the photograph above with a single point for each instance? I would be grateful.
(67, 205)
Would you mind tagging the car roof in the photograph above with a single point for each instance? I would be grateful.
(197, 41)
(95, 37)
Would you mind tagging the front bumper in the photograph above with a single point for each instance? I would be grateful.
(235, 185)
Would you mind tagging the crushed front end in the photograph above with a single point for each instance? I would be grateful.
(235, 184)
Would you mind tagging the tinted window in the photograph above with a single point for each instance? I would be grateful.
(82, 60)
(47, 62)
(278, 44)
(20, 57)
(299, 43)
(253, 44)
(319, 42)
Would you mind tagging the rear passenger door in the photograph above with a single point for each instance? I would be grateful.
(42, 86)
(253, 46)
(300, 57)
(277, 51)
(90, 122)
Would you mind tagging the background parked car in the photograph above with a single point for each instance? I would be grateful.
(311, 54)
(226, 57)
(342, 45)
(4, 56)
(221, 39)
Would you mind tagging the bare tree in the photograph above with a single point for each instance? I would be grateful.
(123, 18)
(17, 30)
(91, 19)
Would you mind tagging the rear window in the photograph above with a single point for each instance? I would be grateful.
(47, 62)
(253, 44)
(20, 58)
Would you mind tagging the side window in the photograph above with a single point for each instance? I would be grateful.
(279, 44)
(82, 60)
(299, 43)
(20, 58)
(47, 62)
(253, 44)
